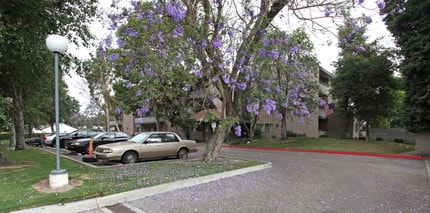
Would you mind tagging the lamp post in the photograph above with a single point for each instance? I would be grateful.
(58, 45)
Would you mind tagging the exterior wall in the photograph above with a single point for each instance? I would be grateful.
(389, 134)
(271, 126)
(127, 124)
(422, 145)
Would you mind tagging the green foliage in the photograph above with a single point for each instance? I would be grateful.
(409, 22)
(398, 140)
(362, 138)
(364, 83)
(258, 133)
(332, 144)
(379, 139)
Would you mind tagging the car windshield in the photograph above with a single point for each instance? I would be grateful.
(139, 138)
(100, 135)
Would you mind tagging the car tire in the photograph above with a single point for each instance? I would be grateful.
(182, 153)
(86, 150)
(129, 157)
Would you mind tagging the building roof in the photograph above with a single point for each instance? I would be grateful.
(199, 116)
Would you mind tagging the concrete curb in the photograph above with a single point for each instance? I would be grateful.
(427, 164)
(96, 203)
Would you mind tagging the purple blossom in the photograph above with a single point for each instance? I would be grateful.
(102, 52)
(226, 79)
(241, 86)
(131, 32)
(178, 31)
(217, 43)
(108, 41)
(361, 48)
(114, 57)
(327, 13)
(144, 108)
(118, 110)
(129, 85)
(360, 1)
(238, 130)
(270, 105)
(196, 72)
(284, 59)
(253, 108)
(215, 79)
(368, 19)
(176, 11)
(121, 43)
(381, 4)
(189, 111)
(354, 53)
(138, 93)
(274, 54)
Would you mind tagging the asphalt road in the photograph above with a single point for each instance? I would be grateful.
(300, 182)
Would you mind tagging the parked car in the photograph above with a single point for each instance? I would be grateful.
(147, 145)
(36, 141)
(80, 133)
(49, 140)
(82, 145)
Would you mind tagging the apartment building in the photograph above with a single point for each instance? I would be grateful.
(324, 122)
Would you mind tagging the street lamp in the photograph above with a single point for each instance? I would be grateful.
(58, 45)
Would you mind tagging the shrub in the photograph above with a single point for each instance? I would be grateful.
(362, 138)
(398, 140)
(258, 134)
(323, 136)
(379, 139)
(291, 134)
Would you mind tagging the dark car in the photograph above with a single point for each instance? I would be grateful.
(78, 134)
(82, 145)
(37, 141)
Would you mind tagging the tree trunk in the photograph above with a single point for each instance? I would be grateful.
(3, 160)
(345, 128)
(19, 119)
(12, 137)
(107, 119)
(215, 142)
(284, 133)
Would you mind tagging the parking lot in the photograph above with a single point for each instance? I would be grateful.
(77, 157)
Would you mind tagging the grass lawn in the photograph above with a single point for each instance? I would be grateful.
(16, 183)
(331, 144)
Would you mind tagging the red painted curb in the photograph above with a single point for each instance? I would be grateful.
(411, 157)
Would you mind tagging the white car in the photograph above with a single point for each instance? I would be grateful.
(49, 140)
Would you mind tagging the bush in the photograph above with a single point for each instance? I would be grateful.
(239, 141)
(323, 136)
(379, 139)
(362, 138)
(258, 134)
(398, 140)
(291, 134)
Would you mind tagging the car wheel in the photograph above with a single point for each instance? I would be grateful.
(183, 153)
(129, 157)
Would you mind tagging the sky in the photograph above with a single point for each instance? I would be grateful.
(325, 47)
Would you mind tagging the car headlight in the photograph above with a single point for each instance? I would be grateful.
(104, 150)
(76, 144)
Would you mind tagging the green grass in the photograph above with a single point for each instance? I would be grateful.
(331, 144)
(16, 191)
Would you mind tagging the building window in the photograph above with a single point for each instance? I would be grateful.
(268, 128)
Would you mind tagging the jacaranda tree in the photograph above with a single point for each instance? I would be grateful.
(207, 49)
